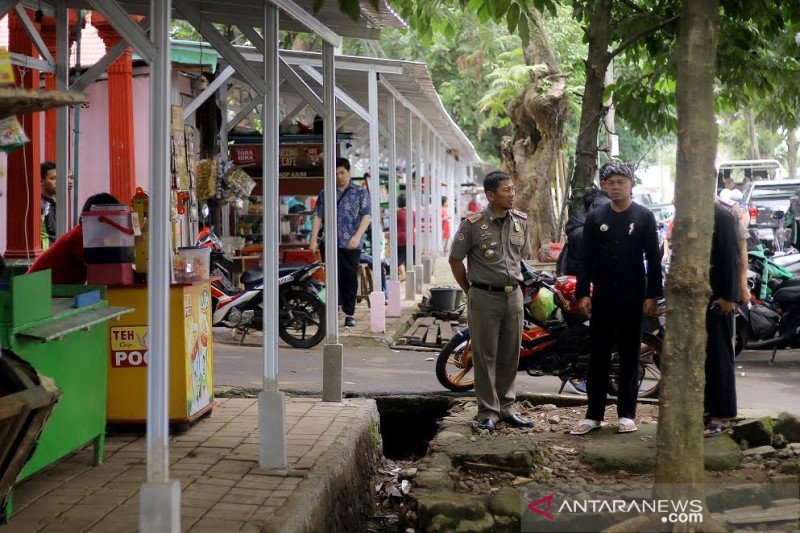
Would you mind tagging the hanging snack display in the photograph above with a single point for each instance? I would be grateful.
(206, 179)
(238, 186)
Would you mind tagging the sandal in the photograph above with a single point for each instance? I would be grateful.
(714, 429)
(585, 426)
(626, 425)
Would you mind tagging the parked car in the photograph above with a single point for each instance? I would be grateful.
(662, 212)
(762, 199)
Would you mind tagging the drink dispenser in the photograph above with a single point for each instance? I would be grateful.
(108, 245)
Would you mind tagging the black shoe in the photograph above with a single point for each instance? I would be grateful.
(487, 424)
(349, 321)
(517, 421)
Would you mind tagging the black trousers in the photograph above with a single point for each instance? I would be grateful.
(348, 277)
(720, 395)
(614, 324)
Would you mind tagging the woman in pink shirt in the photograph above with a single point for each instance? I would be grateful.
(445, 223)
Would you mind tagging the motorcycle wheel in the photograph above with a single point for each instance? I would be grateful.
(649, 367)
(302, 320)
(454, 365)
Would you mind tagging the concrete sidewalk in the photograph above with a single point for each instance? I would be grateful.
(332, 453)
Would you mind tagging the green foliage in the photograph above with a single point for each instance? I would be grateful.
(481, 68)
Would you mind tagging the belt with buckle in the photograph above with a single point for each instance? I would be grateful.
(508, 289)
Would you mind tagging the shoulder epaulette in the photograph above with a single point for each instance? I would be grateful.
(476, 217)
(520, 214)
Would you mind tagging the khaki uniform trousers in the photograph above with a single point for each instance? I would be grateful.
(495, 322)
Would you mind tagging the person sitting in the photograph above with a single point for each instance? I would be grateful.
(65, 256)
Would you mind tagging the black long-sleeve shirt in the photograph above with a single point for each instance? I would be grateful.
(724, 256)
(614, 245)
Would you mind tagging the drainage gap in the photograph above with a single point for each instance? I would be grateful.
(408, 423)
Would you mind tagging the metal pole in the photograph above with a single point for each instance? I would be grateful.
(159, 258)
(410, 208)
(422, 155)
(393, 286)
(392, 186)
(271, 402)
(159, 497)
(332, 352)
(225, 210)
(62, 120)
(377, 309)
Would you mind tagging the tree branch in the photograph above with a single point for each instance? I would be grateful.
(635, 37)
(633, 6)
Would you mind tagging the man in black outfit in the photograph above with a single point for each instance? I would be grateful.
(720, 393)
(616, 236)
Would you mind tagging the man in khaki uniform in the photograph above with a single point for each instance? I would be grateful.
(493, 242)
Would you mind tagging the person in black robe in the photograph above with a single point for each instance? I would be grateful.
(617, 238)
(720, 391)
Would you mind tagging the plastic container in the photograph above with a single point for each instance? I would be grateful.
(192, 263)
(443, 298)
(107, 237)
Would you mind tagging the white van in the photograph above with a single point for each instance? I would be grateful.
(744, 171)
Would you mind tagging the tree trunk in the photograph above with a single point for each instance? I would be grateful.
(752, 134)
(538, 115)
(792, 145)
(592, 107)
(679, 454)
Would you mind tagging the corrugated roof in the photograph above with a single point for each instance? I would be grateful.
(411, 80)
(250, 12)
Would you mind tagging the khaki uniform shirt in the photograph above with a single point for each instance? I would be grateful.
(493, 247)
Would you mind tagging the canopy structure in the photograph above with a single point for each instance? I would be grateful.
(446, 149)
(370, 89)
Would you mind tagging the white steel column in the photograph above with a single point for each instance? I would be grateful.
(377, 308)
(438, 179)
(62, 120)
(271, 401)
(417, 208)
(222, 102)
(411, 276)
(159, 497)
(393, 285)
(427, 254)
(332, 352)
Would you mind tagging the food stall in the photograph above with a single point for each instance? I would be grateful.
(61, 331)
(191, 386)
(300, 181)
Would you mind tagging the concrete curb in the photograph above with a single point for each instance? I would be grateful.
(337, 495)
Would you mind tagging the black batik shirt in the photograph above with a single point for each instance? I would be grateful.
(614, 248)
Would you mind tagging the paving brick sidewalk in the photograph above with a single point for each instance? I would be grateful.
(216, 461)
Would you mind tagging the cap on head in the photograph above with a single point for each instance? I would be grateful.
(617, 168)
(726, 197)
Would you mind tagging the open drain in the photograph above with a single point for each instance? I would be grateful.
(408, 423)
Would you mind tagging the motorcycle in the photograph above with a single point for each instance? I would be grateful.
(301, 308)
(557, 344)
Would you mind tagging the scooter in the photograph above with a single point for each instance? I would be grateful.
(301, 308)
(558, 345)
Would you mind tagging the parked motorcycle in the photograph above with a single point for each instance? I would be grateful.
(557, 345)
(301, 308)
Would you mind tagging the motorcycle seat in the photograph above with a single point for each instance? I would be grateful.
(787, 295)
(784, 284)
(254, 275)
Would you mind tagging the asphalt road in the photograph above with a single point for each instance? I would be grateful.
(371, 370)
